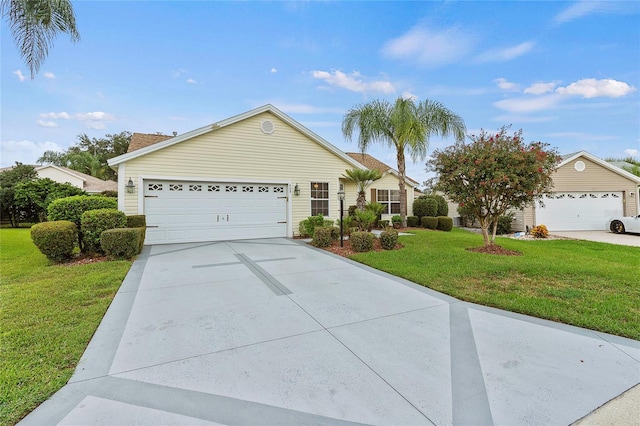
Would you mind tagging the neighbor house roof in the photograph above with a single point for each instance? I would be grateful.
(142, 140)
(90, 183)
(373, 163)
(570, 157)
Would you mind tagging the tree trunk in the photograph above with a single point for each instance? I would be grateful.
(403, 193)
(361, 201)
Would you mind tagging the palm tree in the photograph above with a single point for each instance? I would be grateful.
(363, 178)
(404, 125)
(34, 25)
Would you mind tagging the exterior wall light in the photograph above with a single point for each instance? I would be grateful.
(296, 190)
(130, 187)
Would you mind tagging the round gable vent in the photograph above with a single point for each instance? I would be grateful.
(579, 166)
(267, 127)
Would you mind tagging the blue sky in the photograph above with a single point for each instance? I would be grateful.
(567, 73)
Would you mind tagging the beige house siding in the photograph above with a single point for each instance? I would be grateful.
(60, 176)
(390, 181)
(248, 154)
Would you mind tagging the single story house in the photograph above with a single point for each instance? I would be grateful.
(253, 175)
(90, 184)
(587, 192)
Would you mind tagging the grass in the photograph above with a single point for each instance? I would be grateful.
(586, 284)
(48, 314)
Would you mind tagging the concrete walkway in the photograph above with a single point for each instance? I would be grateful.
(602, 237)
(267, 332)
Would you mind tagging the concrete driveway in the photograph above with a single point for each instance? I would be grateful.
(602, 237)
(276, 332)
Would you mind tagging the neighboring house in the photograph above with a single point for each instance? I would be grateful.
(587, 192)
(254, 175)
(90, 184)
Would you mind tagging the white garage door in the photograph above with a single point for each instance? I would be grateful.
(179, 212)
(579, 211)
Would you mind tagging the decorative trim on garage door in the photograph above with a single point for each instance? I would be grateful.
(579, 210)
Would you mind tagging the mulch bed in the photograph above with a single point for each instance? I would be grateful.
(84, 259)
(347, 251)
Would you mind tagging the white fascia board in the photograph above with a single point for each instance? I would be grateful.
(61, 170)
(602, 163)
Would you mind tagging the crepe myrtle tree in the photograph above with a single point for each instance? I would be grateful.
(494, 173)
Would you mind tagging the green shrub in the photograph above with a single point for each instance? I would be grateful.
(443, 207)
(413, 221)
(396, 220)
(445, 223)
(429, 222)
(121, 242)
(322, 236)
(389, 239)
(346, 224)
(327, 222)
(352, 210)
(365, 219)
(143, 232)
(109, 193)
(504, 224)
(56, 240)
(302, 228)
(94, 222)
(425, 206)
(362, 241)
(136, 221)
(312, 223)
(72, 208)
(467, 217)
(383, 224)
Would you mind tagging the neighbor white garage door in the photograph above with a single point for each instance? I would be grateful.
(579, 211)
(179, 211)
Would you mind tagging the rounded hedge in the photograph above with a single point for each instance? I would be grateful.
(413, 221)
(121, 242)
(136, 221)
(443, 207)
(56, 239)
(95, 222)
(71, 208)
(362, 241)
(425, 206)
(389, 239)
(429, 222)
(445, 223)
(322, 236)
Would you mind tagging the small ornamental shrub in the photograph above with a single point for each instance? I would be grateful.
(540, 231)
(352, 210)
(365, 219)
(396, 220)
(94, 222)
(327, 222)
(121, 242)
(109, 193)
(56, 240)
(429, 222)
(504, 224)
(445, 223)
(335, 233)
(389, 239)
(383, 224)
(302, 228)
(142, 231)
(347, 222)
(443, 207)
(362, 241)
(136, 221)
(413, 221)
(322, 236)
(312, 222)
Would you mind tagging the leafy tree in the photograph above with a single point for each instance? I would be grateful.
(363, 178)
(90, 155)
(34, 196)
(9, 179)
(34, 25)
(633, 167)
(404, 125)
(494, 173)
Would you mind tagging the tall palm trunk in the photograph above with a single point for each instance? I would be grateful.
(401, 187)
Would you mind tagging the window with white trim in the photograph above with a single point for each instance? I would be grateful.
(320, 198)
(390, 199)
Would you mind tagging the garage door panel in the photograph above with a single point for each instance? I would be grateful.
(579, 211)
(203, 211)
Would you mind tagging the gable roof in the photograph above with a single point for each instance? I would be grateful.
(90, 183)
(172, 140)
(373, 163)
(570, 157)
(142, 140)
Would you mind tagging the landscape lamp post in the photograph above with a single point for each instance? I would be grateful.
(341, 197)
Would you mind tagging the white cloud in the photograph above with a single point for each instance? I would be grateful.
(430, 48)
(528, 104)
(507, 85)
(95, 120)
(592, 88)
(26, 152)
(20, 76)
(49, 75)
(578, 10)
(274, 70)
(540, 88)
(191, 81)
(56, 115)
(353, 82)
(43, 123)
(632, 152)
(507, 53)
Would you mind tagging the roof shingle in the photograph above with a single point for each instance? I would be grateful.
(142, 140)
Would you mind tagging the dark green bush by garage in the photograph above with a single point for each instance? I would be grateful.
(445, 223)
(429, 222)
(142, 231)
(94, 222)
(136, 221)
(361, 241)
(389, 239)
(56, 240)
(413, 221)
(121, 242)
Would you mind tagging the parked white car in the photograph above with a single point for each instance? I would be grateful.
(620, 225)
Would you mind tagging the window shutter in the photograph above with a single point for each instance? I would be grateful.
(373, 195)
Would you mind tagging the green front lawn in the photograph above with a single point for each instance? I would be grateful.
(591, 285)
(48, 314)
